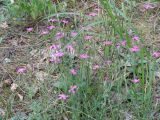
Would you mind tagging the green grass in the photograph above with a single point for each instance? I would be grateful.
(103, 93)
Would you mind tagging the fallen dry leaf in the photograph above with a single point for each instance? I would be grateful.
(20, 97)
(13, 87)
(7, 82)
(4, 25)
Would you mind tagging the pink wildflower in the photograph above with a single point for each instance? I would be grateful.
(51, 27)
(107, 43)
(135, 49)
(135, 80)
(53, 20)
(29, 29)
(88, 37)
(118, 45)
(65, 21)
(73, 89)
(156, 54)
(148, 6)
(55, 46)
(95, 67)
(63, 96)
(123, 43)
(70, 49)
(21, 70)
(55, 60)
(93, 14)
(58, 54)
(59, 35)
(135, 38)
(44, 33)
(73, 71)
(83, 56)
(73, 34)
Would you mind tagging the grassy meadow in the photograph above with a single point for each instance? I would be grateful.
(79, 60)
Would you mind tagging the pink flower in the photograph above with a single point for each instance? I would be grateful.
(93, 14)
(156, 54)
(21, 70)
(58, 54)
(73, 89)
(56, 57)
(135, 80)
(30, 29)
(55, 46)
(65, 21)
(73, 34)
(44, 33)
(123, 43)
(107, 43)
(148, 6)
(73, 71)
(135, 49)
(70, 49)
(83, 56)
(63, 96)
(53, 20)
(135, 38)
(95, 67)
(51, 27)
(59, 35)
(88, 37)
(55, 60)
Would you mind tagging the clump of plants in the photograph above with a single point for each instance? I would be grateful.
(31, 10)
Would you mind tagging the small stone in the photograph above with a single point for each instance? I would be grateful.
(7, 60)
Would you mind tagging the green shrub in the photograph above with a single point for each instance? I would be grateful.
(31, 10)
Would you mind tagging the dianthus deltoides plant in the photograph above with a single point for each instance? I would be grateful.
(100, 76)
